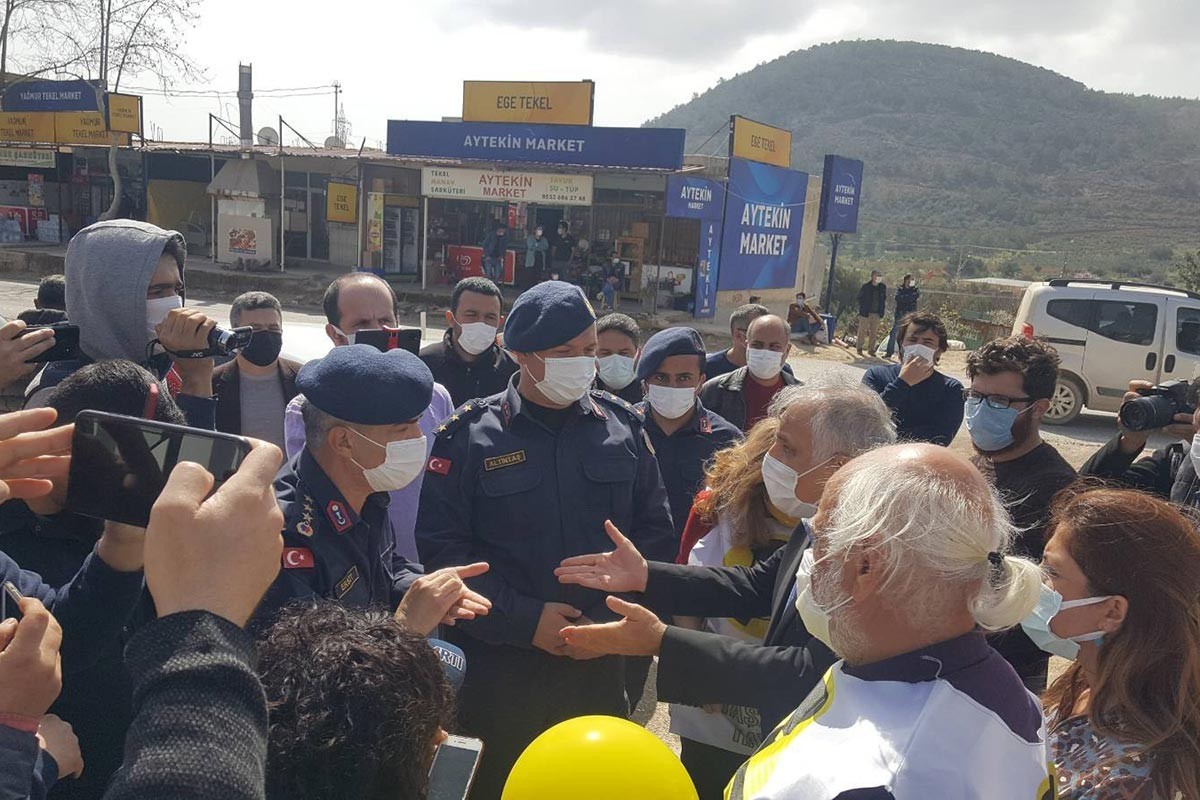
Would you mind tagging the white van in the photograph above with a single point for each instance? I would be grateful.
(1109, 333)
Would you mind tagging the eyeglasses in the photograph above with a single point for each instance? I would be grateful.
(993, 400)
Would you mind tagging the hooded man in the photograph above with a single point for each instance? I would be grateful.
(125, 286)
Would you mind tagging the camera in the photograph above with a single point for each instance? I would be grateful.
(223, 342)
(1158, 405)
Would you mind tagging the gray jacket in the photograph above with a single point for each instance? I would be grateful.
(723, 395)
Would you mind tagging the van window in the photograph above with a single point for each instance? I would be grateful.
(1131, 323)
(1074, 312)
(1187, 330)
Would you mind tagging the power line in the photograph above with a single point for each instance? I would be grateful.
(298, 91)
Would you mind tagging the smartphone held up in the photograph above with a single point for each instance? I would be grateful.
(119, 464)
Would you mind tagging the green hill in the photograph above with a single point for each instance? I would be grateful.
(965, 147)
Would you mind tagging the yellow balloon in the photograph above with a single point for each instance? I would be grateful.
(598, 758)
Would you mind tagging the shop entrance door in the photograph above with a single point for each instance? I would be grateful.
(307, 234)
(548, 219)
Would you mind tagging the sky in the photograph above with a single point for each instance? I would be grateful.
(407, 59)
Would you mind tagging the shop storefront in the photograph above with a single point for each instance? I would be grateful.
(32, 193)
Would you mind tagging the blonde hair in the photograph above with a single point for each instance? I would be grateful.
(736, 492)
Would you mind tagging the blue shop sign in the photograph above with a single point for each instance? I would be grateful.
(694, 198)
(569, 145)
(50, 96)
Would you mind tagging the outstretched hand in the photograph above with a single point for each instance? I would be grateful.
(640, 633)
(443, 598)
(619, 570)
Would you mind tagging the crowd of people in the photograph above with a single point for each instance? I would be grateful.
(504, 531)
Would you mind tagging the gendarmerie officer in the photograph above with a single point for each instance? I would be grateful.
(360, 414)
(684, 433)
(520, 480)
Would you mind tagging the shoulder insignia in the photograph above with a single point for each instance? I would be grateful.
(298, 558)
(304, 527)
(439, 466)
(599, 412)
(338, 517)
(646, 439)
(347, 582)
(620, 403)
(705, 424)
(462, 415)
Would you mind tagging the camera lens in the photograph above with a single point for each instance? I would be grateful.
(1147, 413)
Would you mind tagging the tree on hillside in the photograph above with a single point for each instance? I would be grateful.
(118, 40)
(1187, 272)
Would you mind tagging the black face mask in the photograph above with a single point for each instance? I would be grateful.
(264, 348)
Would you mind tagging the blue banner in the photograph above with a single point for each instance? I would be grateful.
(764, 216)
(708, 269)
(571, 145)
(694, 198)
(50, 96)
(841, 194)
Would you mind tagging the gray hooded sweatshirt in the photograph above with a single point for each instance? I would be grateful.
(108, 270)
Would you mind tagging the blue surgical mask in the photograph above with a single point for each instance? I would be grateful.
(1037, 624)
(990, 428)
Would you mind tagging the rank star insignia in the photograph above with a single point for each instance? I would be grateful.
(454, 417)
(441, 428)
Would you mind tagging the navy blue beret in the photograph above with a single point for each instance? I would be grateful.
(666, 343)
(547, 315)
(360, 384)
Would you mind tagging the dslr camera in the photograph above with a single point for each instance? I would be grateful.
(1158, 405)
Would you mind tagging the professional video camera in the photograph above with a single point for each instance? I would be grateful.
(1158, 405)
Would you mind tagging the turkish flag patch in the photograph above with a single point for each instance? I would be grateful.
(439, 466)
(298, 558)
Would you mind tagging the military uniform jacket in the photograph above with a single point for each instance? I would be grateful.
(501, 487)
(683, 455)
(330, 551)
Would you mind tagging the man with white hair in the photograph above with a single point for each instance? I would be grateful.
(909, 565)
(820, 428)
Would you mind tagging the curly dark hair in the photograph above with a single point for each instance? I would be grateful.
(355, 701)
(1036, 361)
(921, 321)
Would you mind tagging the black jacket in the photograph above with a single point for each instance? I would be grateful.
(872, 299)
(723, 395)
(228, 392)
(697, 667)
(1167, 473)
(483, 377)
(906, 300)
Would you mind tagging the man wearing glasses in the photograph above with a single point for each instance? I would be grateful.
(1011, 384)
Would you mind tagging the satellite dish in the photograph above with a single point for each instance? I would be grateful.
(268, 136)
(334, 143)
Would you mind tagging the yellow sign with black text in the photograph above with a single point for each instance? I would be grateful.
(547, 103)
(84, 127)
(758, 142)
(125, 113)
(27, 126)
(341, 203)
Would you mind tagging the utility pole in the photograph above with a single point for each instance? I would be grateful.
(337, 126)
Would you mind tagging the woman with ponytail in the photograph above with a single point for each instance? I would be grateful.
(1122, 601)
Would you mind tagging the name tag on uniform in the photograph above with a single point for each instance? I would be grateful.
(347, 582)
(507, 460)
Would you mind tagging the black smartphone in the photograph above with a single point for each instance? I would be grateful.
(454, 767)
(10, 601)
(390, 339)
(120, 464)
(66, 343)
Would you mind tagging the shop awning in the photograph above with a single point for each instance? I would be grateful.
(245, 177)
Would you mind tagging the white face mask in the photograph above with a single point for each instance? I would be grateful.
(764, 364)
(781, 480)
(812, 614)
(670, 402)
(404, 461)
(156, 312)
(918, 351)
(616, 370)
(567, 379)
(476, 337)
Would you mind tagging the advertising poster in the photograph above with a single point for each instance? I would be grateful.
(244, 237)
(374, 227)
(764, 217)
(841, 195)
(708, 269)
(694, 198)
(37, 191)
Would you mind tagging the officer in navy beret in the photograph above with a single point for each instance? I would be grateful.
(361, 413)
(684, 433)
(522, 480)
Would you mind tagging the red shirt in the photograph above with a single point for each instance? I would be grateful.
(757, 398)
